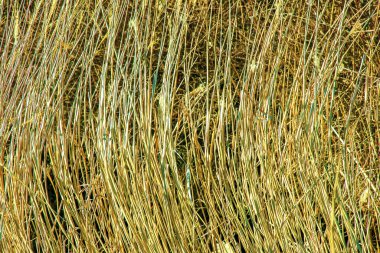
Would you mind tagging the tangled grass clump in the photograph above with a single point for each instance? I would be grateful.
(189, 126)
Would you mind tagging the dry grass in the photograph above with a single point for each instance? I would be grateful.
(189, 126)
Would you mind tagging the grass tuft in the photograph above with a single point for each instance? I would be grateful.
(189, 126)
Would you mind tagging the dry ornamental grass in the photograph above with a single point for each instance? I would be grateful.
(189, 126)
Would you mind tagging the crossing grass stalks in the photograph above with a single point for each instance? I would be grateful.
(189, 126)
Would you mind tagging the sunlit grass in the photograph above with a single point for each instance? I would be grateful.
(189, 126)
